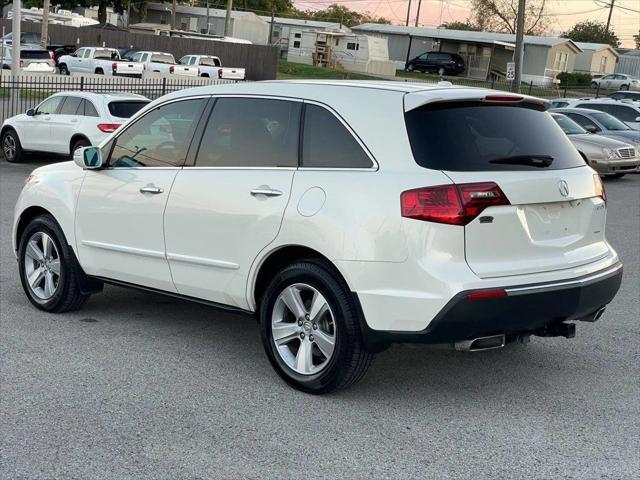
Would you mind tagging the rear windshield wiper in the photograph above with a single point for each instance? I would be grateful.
(540, 161)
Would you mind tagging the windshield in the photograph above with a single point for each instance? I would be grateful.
(210, 61)
(467, 136)
(105, 53)
(609, 121)
(163, 58)
(568, 126)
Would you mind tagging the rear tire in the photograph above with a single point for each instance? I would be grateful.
(49, 272)
(624, 87)
(79, 143)
(320, 348)
(205, 75)
(594, 85)
(11, 146)
(99, 71)
(441, 71)
(63, 69)
(410, 68)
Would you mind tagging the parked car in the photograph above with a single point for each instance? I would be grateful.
(59, 51)
(619, 81)
(165, 63)
(594, 121)
(626, 111)
(67, 121)
(607, 156)
(345, 217)
(32, 59)
(625, 95)
(98, 60)
(32, 38)
(440, 62)
(210, 66)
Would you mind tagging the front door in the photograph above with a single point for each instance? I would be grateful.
(228, 207)
(119, 219)
(36, 130)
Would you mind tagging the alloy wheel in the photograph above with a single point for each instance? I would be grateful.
(9, 146)
(303, 329)
(42, 266)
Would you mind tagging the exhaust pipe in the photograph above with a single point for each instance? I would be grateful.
(594, 316)
(481, 344)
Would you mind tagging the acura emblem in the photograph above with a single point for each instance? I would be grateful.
(563, 186)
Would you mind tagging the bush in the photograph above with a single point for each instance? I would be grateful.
(574, 79)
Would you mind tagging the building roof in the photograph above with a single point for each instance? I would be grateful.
(462, 35)
(198, 11)
(595, 47)
(300, 22)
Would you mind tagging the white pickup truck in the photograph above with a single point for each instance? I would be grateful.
(103, 61)
(160, 62)
(210, 66)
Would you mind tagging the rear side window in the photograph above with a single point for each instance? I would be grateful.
(475, 137)
(125, 109)
(251, 132)
(89, 109)
(70, 106)
(328, 144)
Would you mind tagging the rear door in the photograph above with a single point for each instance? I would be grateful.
(229, 205)
(554, 221)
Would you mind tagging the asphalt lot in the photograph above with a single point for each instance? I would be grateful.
(142, 386)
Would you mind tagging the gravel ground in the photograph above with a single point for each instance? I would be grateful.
(142, 386)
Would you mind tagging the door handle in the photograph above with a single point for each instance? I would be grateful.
(267, 192)
(151, 190)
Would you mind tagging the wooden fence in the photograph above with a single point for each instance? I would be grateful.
(260, 61)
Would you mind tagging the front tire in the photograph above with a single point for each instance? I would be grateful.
(49, 272)
(624, 87)
(310, 328)
(410, 68)
(11, 146)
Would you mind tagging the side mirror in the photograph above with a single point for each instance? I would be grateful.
(591, 128)
(31, 112)
(88, 158)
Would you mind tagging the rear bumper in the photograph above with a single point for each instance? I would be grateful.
(522, 310)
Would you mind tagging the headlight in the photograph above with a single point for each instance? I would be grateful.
(609, 153)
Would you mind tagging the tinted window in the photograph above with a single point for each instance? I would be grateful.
(438, 57)
(70, 106)
(472, 137)
(35, 55)
(610, 122)
(568, 126)
(89, 109)
(582, 120)
(247, 132)
(163, 58)
(50, 105)
(328, 144)
(160, 138)
(626, 114)
(126, 109)
(210, 61)
(105, 54)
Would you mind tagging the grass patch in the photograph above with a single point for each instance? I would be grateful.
(27, 94)
(299, 71)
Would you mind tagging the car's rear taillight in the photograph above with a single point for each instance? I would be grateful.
(599, 187)
(219, 73)
(172, 69)
(108, 127)
(114, 67)
(451, 204)
(21, 63)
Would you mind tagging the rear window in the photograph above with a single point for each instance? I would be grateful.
(105, 54)
(163, 58)
(35, 55)
(475, 137)
(126, 109)
(209, 61)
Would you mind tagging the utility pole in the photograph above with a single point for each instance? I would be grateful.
(173, 15)
(273, 14)
(207, 17)
(610, 13)
(227, 18)
(518, 54)
(15, 43)
(408, 13)
(418, 13)
(128, 13)
(44, 32)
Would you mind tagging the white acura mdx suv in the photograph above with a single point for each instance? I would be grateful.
(346, 216)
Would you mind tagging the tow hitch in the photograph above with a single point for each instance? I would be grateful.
(560, 329)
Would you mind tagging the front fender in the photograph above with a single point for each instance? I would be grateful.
(53, 189)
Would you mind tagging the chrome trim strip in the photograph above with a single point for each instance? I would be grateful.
(207, 262)
(561, 285)
(122, 249)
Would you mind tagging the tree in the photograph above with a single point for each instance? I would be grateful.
(593, 32)
(466, 25)
(636, 40)
(501, 16)
(340, 14)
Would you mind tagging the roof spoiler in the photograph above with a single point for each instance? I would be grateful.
(421, 98)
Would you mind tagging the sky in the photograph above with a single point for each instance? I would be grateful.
(563, 13)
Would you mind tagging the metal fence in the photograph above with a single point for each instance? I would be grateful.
(20, 93)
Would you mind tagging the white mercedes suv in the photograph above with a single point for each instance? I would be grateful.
(346, 216)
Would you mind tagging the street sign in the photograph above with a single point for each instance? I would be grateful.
(511, 70)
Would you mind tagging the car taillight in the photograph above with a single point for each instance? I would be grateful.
(51, 55)
(219, 73)
(21, 63)
(171, 69)
(108, 127)
(599, 187)
(451, 204)
(503, 98)
(485, 294)
(114, 67)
